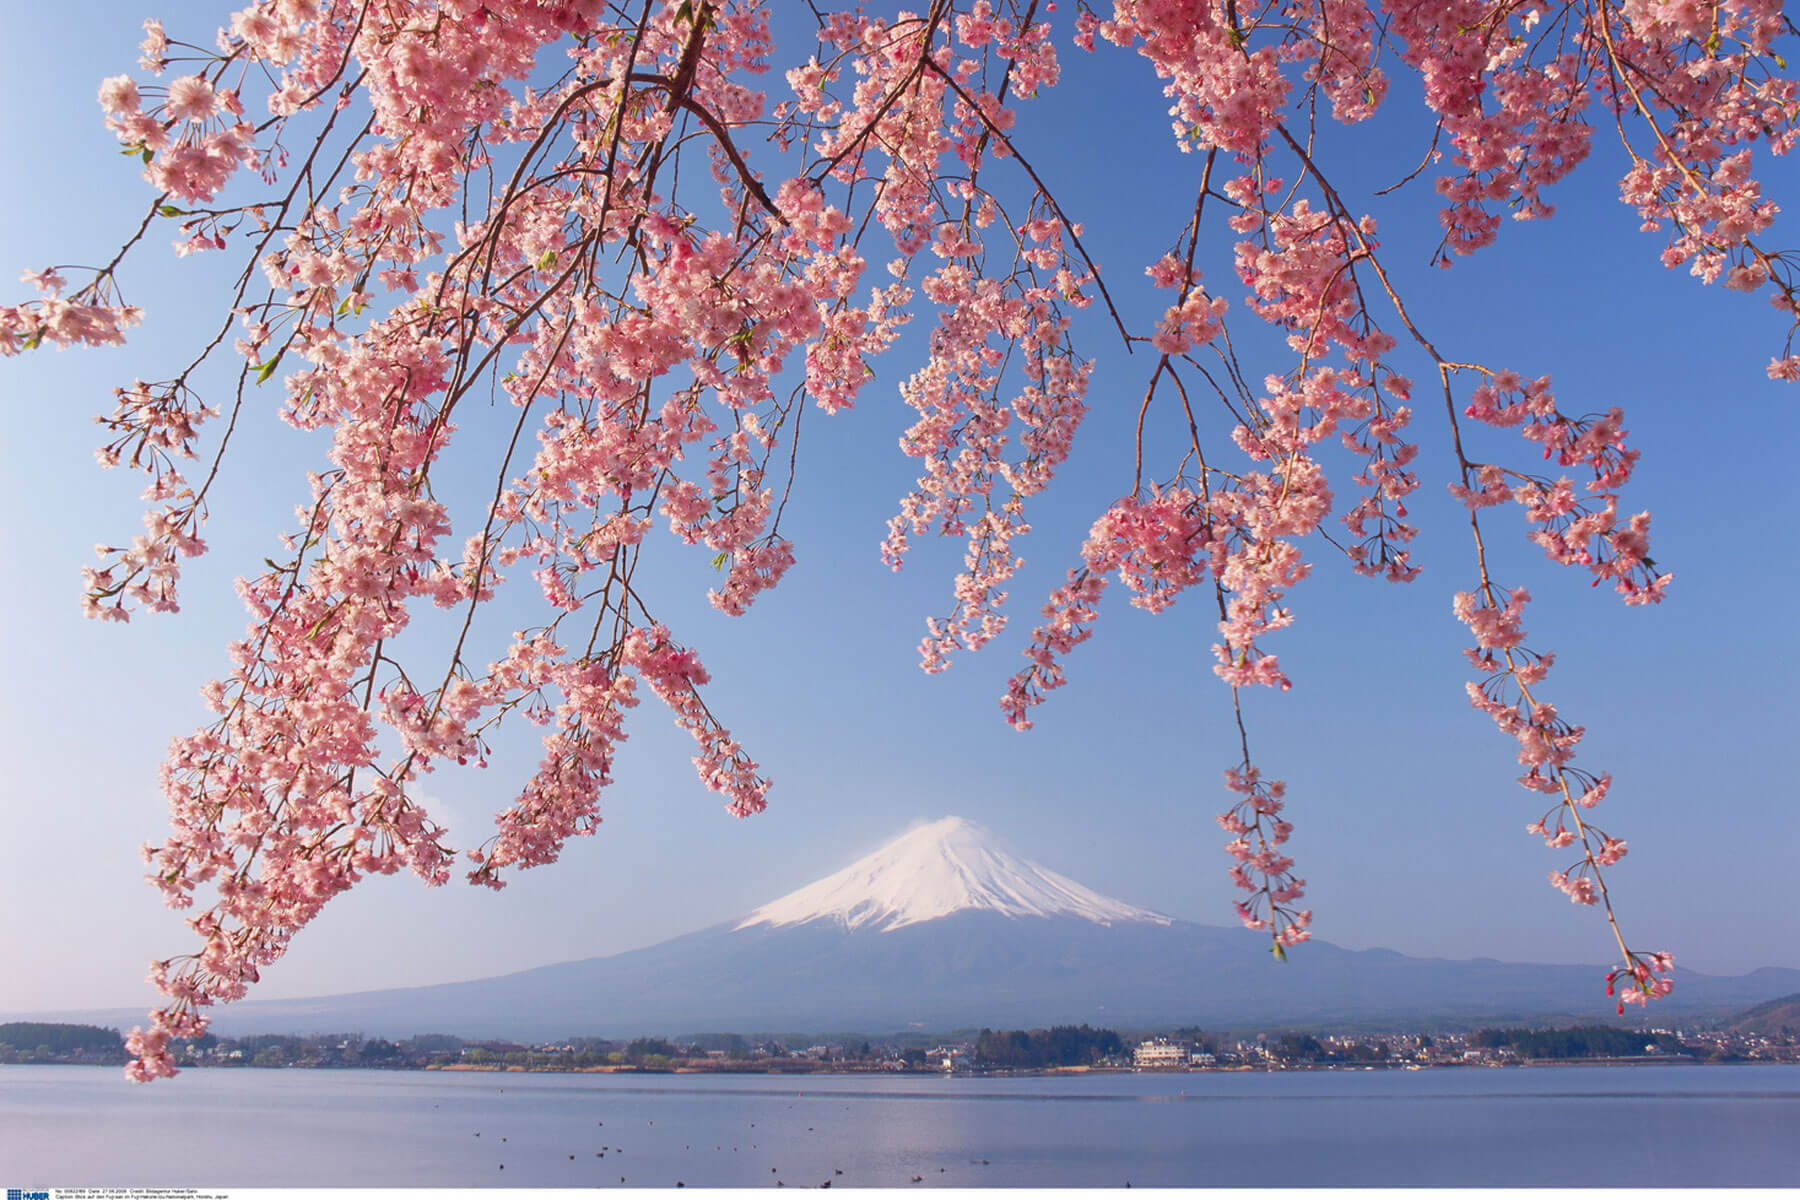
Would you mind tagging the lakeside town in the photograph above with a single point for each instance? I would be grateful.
(986, 1052)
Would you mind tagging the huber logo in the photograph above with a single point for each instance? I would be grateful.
(20, 1194)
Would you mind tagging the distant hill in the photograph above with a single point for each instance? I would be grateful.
(41, 1041)
(945, 929)
(1776, 1018)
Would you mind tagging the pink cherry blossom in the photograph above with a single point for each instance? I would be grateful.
(644, 239)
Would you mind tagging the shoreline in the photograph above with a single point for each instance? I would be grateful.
(1646, 1061)
(1048, 1072)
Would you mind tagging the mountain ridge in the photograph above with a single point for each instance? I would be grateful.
(942, 929)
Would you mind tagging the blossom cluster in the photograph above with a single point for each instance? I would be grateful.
(1509, 671)
(1260, 867)
(1574, 527)
(91, 317)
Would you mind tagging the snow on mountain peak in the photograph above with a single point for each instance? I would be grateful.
(947, 866)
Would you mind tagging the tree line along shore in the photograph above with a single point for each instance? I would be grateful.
(987, 1051)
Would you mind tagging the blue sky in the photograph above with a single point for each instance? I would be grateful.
(1409, 826)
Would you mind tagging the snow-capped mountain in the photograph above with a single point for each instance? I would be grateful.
(943, 929)
(948, 866)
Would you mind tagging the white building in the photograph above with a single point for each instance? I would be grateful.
(1160, 1052)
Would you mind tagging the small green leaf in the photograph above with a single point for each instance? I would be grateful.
(547, 260)
(720, 559)
(267, 369)
(35, 340)
(169, 210)
(145, 154)
(1279, 953)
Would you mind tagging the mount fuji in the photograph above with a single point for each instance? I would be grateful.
(944, 929)
(946, 867)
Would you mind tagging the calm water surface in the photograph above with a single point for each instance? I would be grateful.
(1571, 1126)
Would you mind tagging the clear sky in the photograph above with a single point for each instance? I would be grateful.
(1410, 828)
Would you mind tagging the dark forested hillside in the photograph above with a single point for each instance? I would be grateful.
(38, 1041)
(1592, 1041)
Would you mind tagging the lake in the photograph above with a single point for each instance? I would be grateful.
(1668, 1126)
